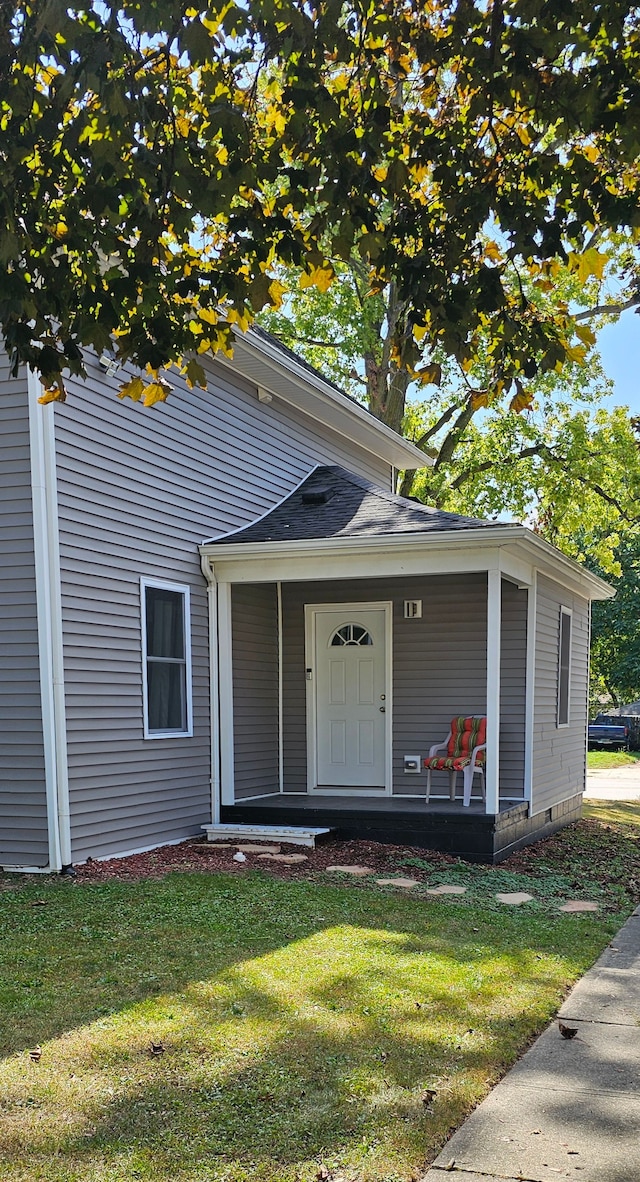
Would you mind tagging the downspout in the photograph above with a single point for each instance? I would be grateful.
(214, 685)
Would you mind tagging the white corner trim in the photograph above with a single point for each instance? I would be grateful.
(184, 590)
(49, 622)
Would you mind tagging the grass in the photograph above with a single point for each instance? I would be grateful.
(303, 1025)
(624, 816)
(611, 759)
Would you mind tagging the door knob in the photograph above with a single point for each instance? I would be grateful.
(382, 709)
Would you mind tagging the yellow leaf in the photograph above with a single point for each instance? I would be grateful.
(222, 155)
(208, 315)
(132, 389)
(54, 393)
(523, 400)
(493, 252)
(156, 392)
(419, 332)
(320, 277)
(480, 398)
(277, 291)
(431, 374)
(585, 334)
(380, 173)
(591, 262)
(575, 352)
(183, 127)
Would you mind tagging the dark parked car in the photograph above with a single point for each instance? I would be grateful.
(605, 735)
(631, 721)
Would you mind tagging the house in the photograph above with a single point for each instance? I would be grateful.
(152, 683)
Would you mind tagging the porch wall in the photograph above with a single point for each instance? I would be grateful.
(513, 689)
(439, 662)
(559, 753)
(254, 615)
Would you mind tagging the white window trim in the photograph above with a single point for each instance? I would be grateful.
(185, 591)
(564, 611)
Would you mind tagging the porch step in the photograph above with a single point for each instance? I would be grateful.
(290, 834)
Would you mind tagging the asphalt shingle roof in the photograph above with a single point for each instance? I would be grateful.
(334, 503)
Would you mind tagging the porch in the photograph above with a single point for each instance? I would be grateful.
(469, 833)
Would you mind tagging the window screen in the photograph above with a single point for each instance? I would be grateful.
(564, 667)
(166, 661)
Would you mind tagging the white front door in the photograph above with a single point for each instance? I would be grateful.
(351, 697)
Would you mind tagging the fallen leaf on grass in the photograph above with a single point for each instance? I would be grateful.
(156, 1048)
(39, 903)
(36, 1054)
(428, 1095)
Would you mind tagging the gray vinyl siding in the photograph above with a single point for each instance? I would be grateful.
(513, 687)
(559, 753)
(138, 490)
(255, 690)
(439, 664)
(23, 805)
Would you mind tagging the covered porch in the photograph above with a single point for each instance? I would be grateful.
(349, 627)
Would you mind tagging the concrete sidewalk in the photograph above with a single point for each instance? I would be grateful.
(620, 783)
(569, 1108)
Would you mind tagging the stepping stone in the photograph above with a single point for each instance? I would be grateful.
(258, 849)
(445, 889)
(401, 882)
(355, 870)
(579, 905)
(289, 859)
(515, 898)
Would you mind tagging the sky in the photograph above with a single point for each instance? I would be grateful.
(619, 346)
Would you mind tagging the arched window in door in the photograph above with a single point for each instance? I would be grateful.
(350, 634)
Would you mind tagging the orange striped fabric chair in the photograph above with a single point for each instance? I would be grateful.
(464, 751)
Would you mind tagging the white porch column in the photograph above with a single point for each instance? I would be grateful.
(225, 665)
(494, 612)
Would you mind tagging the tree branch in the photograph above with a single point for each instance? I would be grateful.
(609, 309)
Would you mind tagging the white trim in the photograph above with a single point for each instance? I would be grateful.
(280, 691)
(291, 381)
(564, 611)
(494, 620)
(147, 581)
(311, 610)
(30, 869)
(530, 688)
(214, 687)
(256, 520)
(44, 612)
(225, 659)
(440, 551)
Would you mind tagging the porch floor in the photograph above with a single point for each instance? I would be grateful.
(377, 803)
(442, 825)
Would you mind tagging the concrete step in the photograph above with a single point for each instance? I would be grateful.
(290, 834)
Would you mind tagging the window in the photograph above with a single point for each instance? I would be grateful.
(564, 666)
(350, 634)
(166, 654)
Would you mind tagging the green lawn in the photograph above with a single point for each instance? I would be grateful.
(303, 1024)
(606, 759)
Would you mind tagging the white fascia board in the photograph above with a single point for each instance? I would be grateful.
(263, 363)
(511, 547)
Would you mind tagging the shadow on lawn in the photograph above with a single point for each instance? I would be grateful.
(272, 1055)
